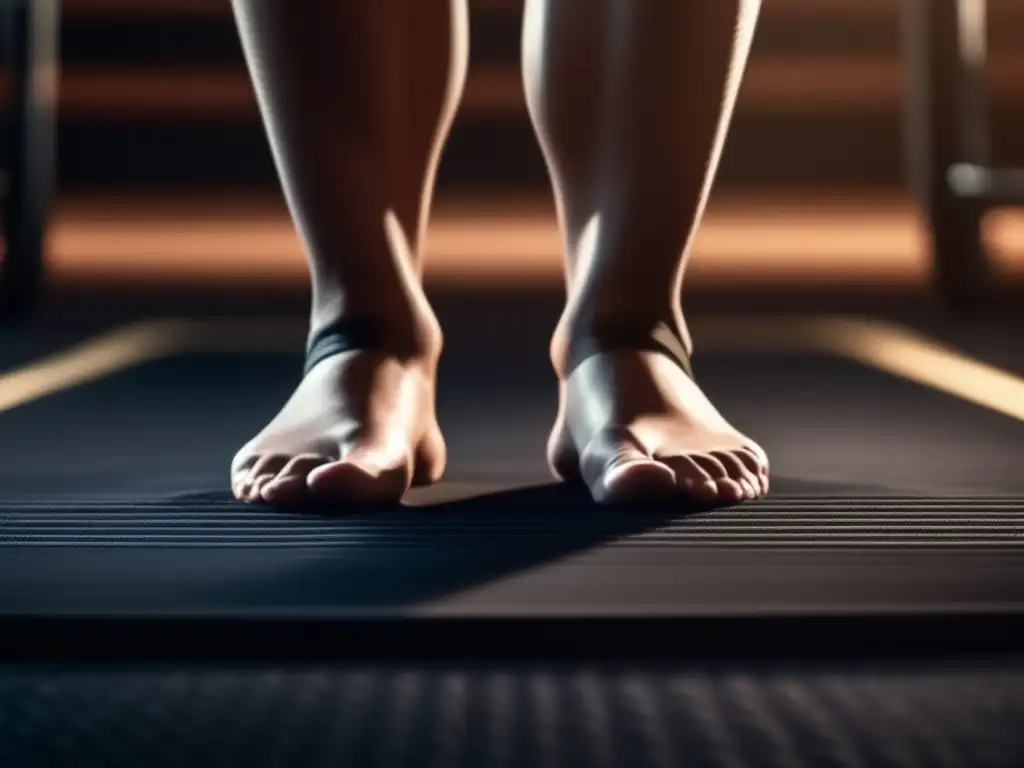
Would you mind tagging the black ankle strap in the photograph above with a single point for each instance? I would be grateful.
(661, 338)
(346, 335)
(354, 334)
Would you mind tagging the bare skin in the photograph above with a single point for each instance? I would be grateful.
(359, 428)
(356, 136)
(631, 100)
(632, 103)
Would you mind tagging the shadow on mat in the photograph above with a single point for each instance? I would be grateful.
(413, 555)
(448, 543)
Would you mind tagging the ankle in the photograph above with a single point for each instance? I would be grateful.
(578, 335)
(409, 335)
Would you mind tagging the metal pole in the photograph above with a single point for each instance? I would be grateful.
(946, 135)
(34, 59)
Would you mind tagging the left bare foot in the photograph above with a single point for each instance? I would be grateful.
(634, 427)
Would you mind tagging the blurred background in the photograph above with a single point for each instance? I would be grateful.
(165, 174)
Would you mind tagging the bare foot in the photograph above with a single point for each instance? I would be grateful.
(634, 427)
(360, 428)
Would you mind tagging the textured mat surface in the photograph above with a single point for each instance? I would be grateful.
(869, 716)
(888, 498)
(535, 551)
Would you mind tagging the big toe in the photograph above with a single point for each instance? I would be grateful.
(636, 482)
(370, 475)
(618, 470)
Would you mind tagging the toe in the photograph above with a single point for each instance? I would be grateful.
(365, 475)
(738, 471)
(289, 487)
(261, 468)
(344, 482)
(729, 489)
(635, 481)
(256, 488)
(756, 461)
(617, 470)
(757, 452)
(694, 482)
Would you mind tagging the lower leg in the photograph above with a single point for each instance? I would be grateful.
(357, 98)
(632, 100)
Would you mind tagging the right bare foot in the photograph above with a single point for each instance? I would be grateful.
(360, 428)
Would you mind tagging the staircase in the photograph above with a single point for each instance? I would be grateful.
(155, 92)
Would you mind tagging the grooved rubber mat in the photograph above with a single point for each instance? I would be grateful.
(774, 522)
(889, 499)
(730, 716)
(530, 552)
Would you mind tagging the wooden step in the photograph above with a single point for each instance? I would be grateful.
(835, 237)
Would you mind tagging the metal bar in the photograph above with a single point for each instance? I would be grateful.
(943, 132)
(971, 84)
(992, 187)
(34, 60)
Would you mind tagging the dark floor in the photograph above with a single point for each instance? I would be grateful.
(793, 715)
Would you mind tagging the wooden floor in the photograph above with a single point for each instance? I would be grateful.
(792, 238)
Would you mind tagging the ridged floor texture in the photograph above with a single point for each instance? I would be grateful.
(534, 552)
(554, 514)
(725, 717)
